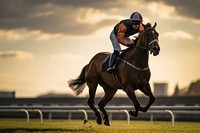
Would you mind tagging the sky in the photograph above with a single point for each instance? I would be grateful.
(45, 43)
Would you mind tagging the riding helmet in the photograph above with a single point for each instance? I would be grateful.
(136, 16)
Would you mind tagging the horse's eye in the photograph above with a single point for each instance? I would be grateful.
(147, 35)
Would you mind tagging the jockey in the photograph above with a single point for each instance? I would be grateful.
(121, 33)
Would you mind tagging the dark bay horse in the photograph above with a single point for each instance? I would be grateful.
(133, 73)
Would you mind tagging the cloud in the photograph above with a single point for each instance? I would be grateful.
(97, 16)
(39, 36)
(21, 34)
(66, 56)
(18, 55)
(178, 35)
(58, 16)
(11, 35)
(184, 8)
(161, 10)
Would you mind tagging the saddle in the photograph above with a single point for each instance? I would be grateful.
(106, 61)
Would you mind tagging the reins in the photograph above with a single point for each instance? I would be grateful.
(143, 48)
(133, 66)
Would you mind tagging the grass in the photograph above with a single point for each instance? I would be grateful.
(117, 126)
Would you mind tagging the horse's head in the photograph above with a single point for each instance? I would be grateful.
(150, 39)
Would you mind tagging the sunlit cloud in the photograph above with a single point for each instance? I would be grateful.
(161, 10)
(92, 16)
(196, 21)
(175, 9)
(43, 14)
(10, 35)
(37, 35)
(66, 56)
(17, 55)
(40, 36)
(178, 35)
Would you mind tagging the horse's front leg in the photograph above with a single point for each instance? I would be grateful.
(131, 94)
(147, 91)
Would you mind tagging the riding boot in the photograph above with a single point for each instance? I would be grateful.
(112, 60)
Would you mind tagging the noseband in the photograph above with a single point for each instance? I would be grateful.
(153, 41)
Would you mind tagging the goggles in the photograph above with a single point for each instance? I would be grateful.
(136, 22)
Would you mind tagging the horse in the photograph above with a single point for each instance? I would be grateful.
(133, 73)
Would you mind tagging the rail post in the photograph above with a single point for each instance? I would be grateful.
(85, 115)
(151, 117)
(172, 116)
(69, 116)
(50, 115)
(41, 115)
(128, 116)
(27, 114)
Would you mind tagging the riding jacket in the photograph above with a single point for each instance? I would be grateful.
(121, 33)
(129, 27)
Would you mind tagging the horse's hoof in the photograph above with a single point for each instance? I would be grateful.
(99, 120)
(85, 121)
(142, 109)
(107, 123)
(133, 113)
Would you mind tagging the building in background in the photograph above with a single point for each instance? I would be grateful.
(7, 94)
(160, 89)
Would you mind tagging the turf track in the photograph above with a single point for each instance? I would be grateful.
(117, 126)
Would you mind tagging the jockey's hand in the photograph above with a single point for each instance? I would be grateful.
(130, 45)
(141, 28)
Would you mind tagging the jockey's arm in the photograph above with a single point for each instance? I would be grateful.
(121, 33)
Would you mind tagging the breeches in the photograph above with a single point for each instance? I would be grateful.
(114, 41)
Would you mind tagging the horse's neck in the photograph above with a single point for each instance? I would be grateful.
(139, 57)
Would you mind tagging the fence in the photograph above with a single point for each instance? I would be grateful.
(111, 109)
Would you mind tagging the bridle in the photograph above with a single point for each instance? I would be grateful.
(150, 43)
(148, 48)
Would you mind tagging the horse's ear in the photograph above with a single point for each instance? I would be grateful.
(155, 25)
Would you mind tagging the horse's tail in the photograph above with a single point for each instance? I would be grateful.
(78, 84)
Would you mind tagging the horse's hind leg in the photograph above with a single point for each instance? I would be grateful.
(92, 90)
(147, 91)
(109, 93)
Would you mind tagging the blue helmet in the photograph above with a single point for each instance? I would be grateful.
(136, 16)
